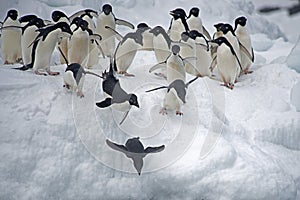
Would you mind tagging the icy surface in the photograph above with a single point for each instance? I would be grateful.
(293, 59)
(240, 144)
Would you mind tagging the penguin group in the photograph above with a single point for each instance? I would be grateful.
(87, 36)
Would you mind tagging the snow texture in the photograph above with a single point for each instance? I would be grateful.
(293, 60)
(229, 144)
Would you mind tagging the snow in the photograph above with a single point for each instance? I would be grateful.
(293, 59)
(229, 144)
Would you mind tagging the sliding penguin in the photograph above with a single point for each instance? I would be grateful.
(107, 18)
(175, 96)
(178, 24)
(144, 29)
(195, 23)
(116, 96)
(74, 76)
(43, 47)
(243, 36)
(126, 50)
(11, 39)
(135, 150)
(59, 16)
(228, 61)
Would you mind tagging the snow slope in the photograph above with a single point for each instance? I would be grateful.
(229, 144)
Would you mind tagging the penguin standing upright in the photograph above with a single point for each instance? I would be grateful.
(178, 24)
(203, 61)
(228, 61)
(107, 18)
(188, 50)
(243, 36)
(59, 16)
(195, 22)
(11, 39)
(126, 51)
(44, 44)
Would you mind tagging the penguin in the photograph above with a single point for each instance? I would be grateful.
(228, 61)
(229, 34)
(178, 24)
(126, 50)
(107, 18)
(43, 47)
(214, 46)
(26, 18)
(175, 96)
(59, 16)
(135, 150)
(74, 76)
(11, 39)
(243, 36)
(161, 43)
(188, 51)
(174, 65)
(202, 51)
(116, 96)
(144, 29)
(195, 23)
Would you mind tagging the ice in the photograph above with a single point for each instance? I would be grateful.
(229, 144)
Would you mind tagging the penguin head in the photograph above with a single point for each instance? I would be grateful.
(157, 30)
(107, 9)
(178, 13)
(84, 25)
(185, 36)
(194, 34)
(225, 28)
(218, 26)
(194, 12)
(13, 14)
(220, 41)
(65, 28)
(56, 15)
(143, 27)
(27, 18)
(91, 13)
(77, 21)
(240, 21)
(133, 100)
(134, 145)
(175, 49)
(38, 22)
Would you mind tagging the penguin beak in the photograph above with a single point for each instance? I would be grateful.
(172, 13)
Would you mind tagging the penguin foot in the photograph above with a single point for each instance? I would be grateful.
(80, 94)
(125, 73)
(53, 73)
(6, 62)
(20, 60)
(228, 85)
(179, 113)
(246, 71)
(163, 111)
(39, 73)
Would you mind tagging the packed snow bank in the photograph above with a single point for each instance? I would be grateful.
(293, 59)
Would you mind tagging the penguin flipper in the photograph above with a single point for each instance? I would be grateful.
(154, 149)
(103, 104)
(246, 52)
(206, 33)
(10, 27)
(118, 35)
(124, 117)
(117, 147)
(213, 63)
(188, 60)
(124, 23)
(95, 37)
(252, 54)
(158, 66)
(191, 81)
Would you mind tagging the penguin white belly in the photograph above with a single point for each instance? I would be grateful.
(227, 64)
(175, 69)
(69, 80)
(195, 23)
(161, 48)
(203, 59)
(125, 54)
(79, 48)
(147, 41)
(108, 39)
(93, 55)
(27, 38)
(11, 42)
(236, 47)
(171, 100)
(245, 40)
(44, 50)
(176, 29)
(187, 51)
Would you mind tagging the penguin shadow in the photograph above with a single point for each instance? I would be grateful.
(135, 150)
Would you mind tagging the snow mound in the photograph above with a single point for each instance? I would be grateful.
(295, 96)
(293, 60)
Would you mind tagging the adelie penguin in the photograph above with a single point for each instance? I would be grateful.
(11, 39)
(117, 98)
(134, 149)
(241, 32)
(126, 50)
(144, 29)
(175, 96)
(107, 18)
(178, 24)
(195, 22)
(74, 76)
(43, 47)
(228, 61)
